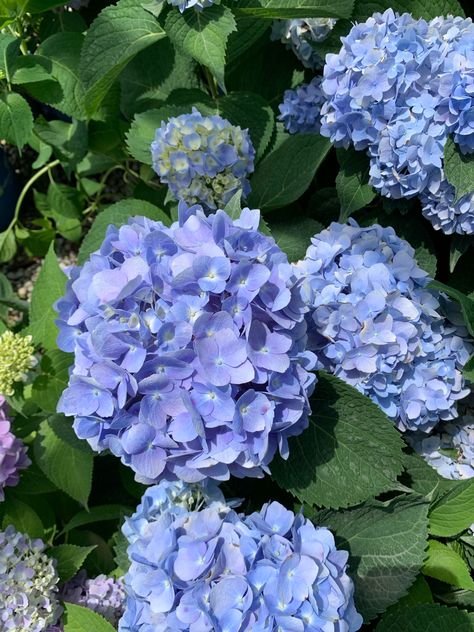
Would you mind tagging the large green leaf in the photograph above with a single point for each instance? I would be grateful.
(118, 34)
(79, 619)
(459, 169)
(100, 513)
(285, 173)
(64, 459)
(454, 512)
(293, 235)
(68, 140)
(350, 452)
(23, 517)
(52, 379)
(48, 288)
(292, 9)
(117, 215)
(203, 35)
(466, 304)
(69, 558)
(427, 618)
(386, 543)
(427, 9)
(444, 564)
(352, 182)
(16, 119)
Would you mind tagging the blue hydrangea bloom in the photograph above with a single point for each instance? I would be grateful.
(298, 34)
(28, 584)
(397, 89)
(301, 108)
(203, 159)
(190, 347)
(375, 324)
(214, 569)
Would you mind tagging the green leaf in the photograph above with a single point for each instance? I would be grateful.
(423, 478)
(117, 215)
(352, 182)
(66, 464)
(293, 235)
(64, 50)
(31, 69)
(79, 619)
(52, 379)
(468, 370)
(454, 512)
(16, 119)
(447, 566)
(459, 169)
(70, 558)
(153, 74)
(419, 593)
(120, 546)
(9, 52)
(203, 35)
(386, 543)
(100, 513)
(350, 452)
(466, 304)
(292, 9)
(285, 173)
(22, 517)
(114, 38)
(427, 618)
(249, 111)
(65, 208)
(7, 245)
(427, 9)
(48, 288)
(460, 244)
(69, 140)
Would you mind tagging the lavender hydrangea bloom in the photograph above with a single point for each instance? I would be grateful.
(298, 34)
(28, 581)
(300, 110)
(13, 456)
(214, 569)
(102, 594)
(375, 324)
(203, 159)
(398, 88)
(189, 344)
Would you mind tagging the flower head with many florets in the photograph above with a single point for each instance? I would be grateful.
(102, 594)
(398, 88)
(190, 347)
(203, 159)
(13, 456)
(300, 110)
(299, 34)
(214, 569)
(16, 359)
(28, 584)
(375, 324)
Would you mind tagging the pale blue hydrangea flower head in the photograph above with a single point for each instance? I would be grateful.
(190, 347)
(449, 449)
(102, 594)
(397, 89)
(203, 159)
(301, 108)
(298, 34)
(28, 581)
(374, 323)
(213, 569)
(13, 456)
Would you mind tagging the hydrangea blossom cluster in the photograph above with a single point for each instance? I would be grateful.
(13, 457)
(203, 159)
(298, 34)
(449, 449)
(190, 347)
(375, 324)
(397, 89)
(102, 594)
(301, 108)
(16, 359)
(214, 569)
(28, 580)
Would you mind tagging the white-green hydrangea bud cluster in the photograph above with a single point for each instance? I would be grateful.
(16, 359)
(28, 584)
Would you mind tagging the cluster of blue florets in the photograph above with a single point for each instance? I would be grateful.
(213, 569)
(301, 108)
(299, 34)
(398, 88)
(375, 324)
(203, 159)
(190, 347)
